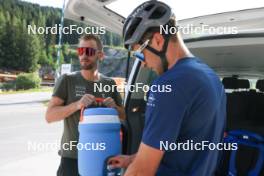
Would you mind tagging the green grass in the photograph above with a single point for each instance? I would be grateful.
(45, 89)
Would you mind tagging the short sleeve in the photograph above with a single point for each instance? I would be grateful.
(164, 115)
(60, 88)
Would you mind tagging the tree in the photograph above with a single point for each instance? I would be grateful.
(29, 50)
(2, 25)
(2, 18)
(21, 51)
(9, 50)
(31, 53)
(65, 52)
(43, 59)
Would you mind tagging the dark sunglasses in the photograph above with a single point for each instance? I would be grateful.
(87, 50)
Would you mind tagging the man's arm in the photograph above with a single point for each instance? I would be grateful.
(119, 107)
(146, 161)
(121, 161)
(143, 163)
(56, 111)
(121, 112)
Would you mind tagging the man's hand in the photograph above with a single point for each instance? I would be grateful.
(109, 102)
(146, 161)
(120, 161)
(85, 101)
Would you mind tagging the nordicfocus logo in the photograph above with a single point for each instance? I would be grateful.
(53, 146)
(191, 145)
(56, 29)
(198, 30)
(138, 87)
(95, 146)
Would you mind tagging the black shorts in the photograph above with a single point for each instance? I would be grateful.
(68, 167)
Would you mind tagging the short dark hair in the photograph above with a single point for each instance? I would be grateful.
(93, 37)
(150, 32)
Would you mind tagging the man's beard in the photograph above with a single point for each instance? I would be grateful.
(89, 66)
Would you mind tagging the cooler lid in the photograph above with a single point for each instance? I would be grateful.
(99, 115)
(100, 111)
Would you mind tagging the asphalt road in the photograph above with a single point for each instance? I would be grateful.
(28, 145)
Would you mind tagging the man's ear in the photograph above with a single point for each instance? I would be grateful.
(158, 41)
(101, 56)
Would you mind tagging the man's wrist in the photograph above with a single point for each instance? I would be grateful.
(76, 106)
(115, 106)
(130, 159)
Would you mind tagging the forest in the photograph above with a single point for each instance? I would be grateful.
(21, 51)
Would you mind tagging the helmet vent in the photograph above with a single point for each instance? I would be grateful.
(158, 13)
(133, 28)
(149, 7)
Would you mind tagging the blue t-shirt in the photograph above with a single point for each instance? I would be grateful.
(192, 112)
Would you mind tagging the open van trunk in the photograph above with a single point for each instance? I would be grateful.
(238, 58)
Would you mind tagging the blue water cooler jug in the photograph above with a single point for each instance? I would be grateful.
(99, 139)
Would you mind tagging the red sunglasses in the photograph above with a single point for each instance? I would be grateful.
(88, 51)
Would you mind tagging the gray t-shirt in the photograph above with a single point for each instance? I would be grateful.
(70, 88)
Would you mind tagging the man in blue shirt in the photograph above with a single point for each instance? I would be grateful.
(184, 127)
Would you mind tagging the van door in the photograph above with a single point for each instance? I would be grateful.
(139, 81)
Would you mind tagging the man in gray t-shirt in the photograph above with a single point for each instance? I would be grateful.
(78, 90)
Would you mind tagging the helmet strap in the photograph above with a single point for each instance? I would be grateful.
(162, 53)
